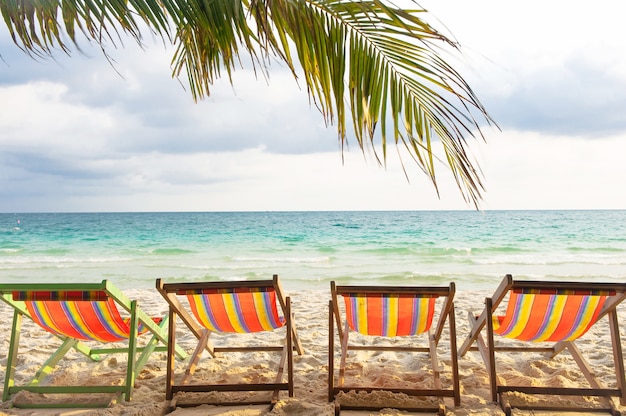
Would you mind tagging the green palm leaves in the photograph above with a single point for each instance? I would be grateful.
(380, 66)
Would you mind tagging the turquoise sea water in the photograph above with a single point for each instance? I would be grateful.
(309, 249)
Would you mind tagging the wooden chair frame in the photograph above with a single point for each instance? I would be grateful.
(488, 348)
(171, 293)
(434, 336)
(158, 342)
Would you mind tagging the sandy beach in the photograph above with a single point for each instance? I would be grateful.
(310, 309)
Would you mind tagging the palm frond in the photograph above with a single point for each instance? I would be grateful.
(380, 66)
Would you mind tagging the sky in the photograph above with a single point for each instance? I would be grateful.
(78, 134)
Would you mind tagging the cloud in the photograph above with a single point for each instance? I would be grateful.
(158, 112)
(534, 171)
(578, 96)
(548, 67)
(231, 181)
(78, 134)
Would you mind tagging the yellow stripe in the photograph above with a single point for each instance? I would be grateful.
(112, 319)
(203, 312)
(586, 319)
(233, 312)
(422, 314)
(261, 310)
(392, 316)
(523, 316)
(78, 319)
(361, 314)
(45, 315)
(496, 323)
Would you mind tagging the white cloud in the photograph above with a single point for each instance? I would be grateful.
(533, 171)
(39, 116)
(77, 136)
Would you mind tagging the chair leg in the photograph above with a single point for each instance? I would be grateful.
(286, 355)
(149, 348)
(331, 352)
(434, 361)
(12, 356)
(483, 349)
(195, 357)
(344, 355)
(455, 359)
(51, 362)
(132, 351)
(279, 375)
(289, 347)
(618, 356)
(491, 355)
(171, 343)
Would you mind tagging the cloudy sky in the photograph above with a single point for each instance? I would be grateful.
(78, 134)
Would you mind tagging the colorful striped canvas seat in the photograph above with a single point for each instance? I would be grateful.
(389, 315)
(549, 315)
(236, 307)
(76, 313)
(85, 320)
(241, 310)
(549, 312)
(384, 311)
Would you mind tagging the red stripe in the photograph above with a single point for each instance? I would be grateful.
(375, 315)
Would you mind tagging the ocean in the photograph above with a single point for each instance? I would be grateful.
(307, 250)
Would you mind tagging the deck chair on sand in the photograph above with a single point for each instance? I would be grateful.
(384, 311)
(548, 317)
(230, 307)
(83, 317)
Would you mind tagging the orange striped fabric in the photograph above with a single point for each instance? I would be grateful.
(241, 311)
(549, 316)
(82, 320)
(389, 315)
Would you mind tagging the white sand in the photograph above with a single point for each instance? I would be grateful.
(311, 313)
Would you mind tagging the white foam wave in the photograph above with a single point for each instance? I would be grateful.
(319, 259)
(10, 250)
(61, 260)
(552, 259)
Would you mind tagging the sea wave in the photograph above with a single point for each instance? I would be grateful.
(463, 280)
(551, 260)
(310, 249)
(33, 260)
(418, 250)
(350, 226)
(9, 250)
(319, 259)
(621, 250)
(53, 251)
(170, 251)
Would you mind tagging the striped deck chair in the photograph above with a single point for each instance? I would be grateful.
(557, 313)
(230, 307)
(82, 316)
(381, 311)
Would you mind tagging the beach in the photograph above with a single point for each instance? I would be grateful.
(310, 308)
(308, 250)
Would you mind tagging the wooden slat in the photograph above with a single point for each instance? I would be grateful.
(204, 388)
(193, 286)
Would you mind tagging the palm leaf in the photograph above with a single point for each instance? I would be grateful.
(378, 65)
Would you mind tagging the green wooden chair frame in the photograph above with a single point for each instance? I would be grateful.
(105, 290)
